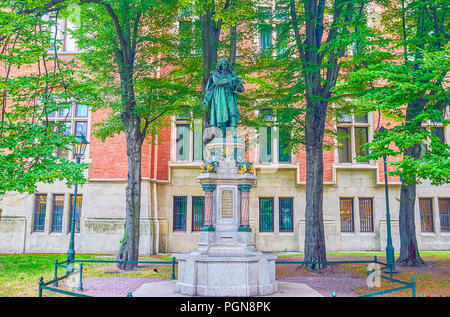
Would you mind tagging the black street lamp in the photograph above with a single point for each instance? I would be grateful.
(78, 152)
(390, 258)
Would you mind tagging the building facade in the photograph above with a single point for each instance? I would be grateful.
(172, 202)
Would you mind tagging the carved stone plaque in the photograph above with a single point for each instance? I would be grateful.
(227, 203)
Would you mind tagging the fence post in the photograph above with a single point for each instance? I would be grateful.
(173, 268)
(413, 286)
(56, 273)
(80, 283)
(41, 281)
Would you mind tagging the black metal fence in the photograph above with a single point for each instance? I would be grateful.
(406, 285)
(70, 269)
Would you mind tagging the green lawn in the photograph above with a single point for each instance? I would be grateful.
(20, 273)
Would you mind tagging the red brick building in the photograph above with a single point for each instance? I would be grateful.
(172, 200)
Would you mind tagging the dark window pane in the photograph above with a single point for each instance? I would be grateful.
(265, 214)
(81, 128)
(65, 111)
(179, 213)
(366, 214)
(282, 38)
(265, 145)
(346, 213)
(426, 214)
(198, 145)
(198, 213)
(57, 213)
(361, 138)
(77, 212)
(284, 156)
(286, 214)
(265, 37)
(361, 118)
(344, 118)
(344, 141)
(39, 212)
(444, 214)
(182, 142)
(81, 111)
(438, 132)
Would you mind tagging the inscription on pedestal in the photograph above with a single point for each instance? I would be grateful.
(227, 204)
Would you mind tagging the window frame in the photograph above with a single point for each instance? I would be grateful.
(61, 216)
(280, 214)
(352, 230)
(275, 142)
(441, 201)
(352, 125)
(370, 217)
(79, 212)
(175, 226)
(429, 215)
(192, 139)
(197, 226)
(39, 214)
(261, 217)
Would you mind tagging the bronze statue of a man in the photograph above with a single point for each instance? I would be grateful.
(220, 96)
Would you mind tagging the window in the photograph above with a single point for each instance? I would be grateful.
(74, 118)
(436, 130)
(366, 214)
(182, 142)
(265, 145)
(189, 141)
(39, 212)
(57, 212)
(444, 213)
(426, 214)
(61, 40)
(282, 39)
(198, 213)
(266, 214)
(284, 155)
(273, 142)
(77, 212)
(286, 214)
(179, 213)
(346, 212)
(265, 39)
(187, 31)
(353, 133)
(344, 145)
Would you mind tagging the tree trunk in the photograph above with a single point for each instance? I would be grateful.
(409, 251)
(314, 229)
(129, 248)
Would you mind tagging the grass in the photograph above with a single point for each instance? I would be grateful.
(20, 273)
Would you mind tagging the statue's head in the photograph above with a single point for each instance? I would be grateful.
(223, 63)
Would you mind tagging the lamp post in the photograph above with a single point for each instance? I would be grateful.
(78, 152)
(390, 258)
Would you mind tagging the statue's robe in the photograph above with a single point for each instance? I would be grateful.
(221, 97)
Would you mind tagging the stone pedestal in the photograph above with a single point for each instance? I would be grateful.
(226, 262)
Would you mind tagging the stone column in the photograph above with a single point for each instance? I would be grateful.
(209, 191)
(245, 192)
